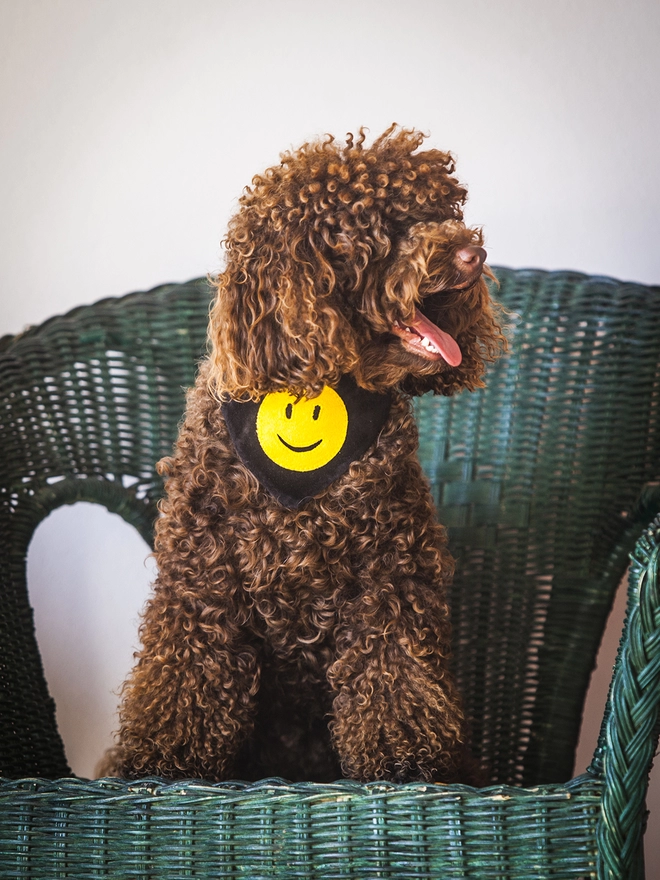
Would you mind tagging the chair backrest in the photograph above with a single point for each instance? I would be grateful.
(544, 479)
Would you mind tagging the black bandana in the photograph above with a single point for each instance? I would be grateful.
(296, 447)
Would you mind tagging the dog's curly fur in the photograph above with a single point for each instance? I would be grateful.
(306, 642)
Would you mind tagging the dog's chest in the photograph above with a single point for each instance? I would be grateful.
(296, 579)
(302, 569)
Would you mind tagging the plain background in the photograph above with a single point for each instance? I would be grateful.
(128, 128)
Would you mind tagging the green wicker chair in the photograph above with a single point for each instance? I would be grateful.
(548, 482)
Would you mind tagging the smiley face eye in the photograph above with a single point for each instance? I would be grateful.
(316, 413)
(289, 410)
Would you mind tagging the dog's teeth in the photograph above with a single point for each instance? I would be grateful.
(423, 340)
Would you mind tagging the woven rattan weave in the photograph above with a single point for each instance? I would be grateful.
(548, 480)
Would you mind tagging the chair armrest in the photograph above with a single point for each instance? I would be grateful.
(630, 731)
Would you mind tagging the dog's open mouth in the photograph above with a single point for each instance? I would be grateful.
(422, 337)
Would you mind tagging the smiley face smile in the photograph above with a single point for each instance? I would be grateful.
(300, 448)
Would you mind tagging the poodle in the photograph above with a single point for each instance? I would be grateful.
(299, 625)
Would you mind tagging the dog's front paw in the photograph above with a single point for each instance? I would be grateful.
(409, 731)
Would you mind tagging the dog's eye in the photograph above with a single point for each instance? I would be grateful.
(316, 413)
(289, 410)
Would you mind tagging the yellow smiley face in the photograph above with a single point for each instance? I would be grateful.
(300, 434)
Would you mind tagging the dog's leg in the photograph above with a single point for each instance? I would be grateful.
(396, 711)
(396, 715)
(190, 701)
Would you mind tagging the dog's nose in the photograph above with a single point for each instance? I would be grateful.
(473, 256)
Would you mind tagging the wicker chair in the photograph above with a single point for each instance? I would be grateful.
(547, 480)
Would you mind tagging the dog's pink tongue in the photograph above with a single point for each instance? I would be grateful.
(446, 344)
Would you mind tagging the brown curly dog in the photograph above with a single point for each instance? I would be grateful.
(299, 627)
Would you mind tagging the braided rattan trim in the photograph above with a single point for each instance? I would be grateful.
(631, 734)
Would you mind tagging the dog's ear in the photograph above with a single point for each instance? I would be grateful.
(276, 322)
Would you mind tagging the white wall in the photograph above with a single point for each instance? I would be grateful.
(129, 128)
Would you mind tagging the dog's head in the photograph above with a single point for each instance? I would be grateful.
(353, 259)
